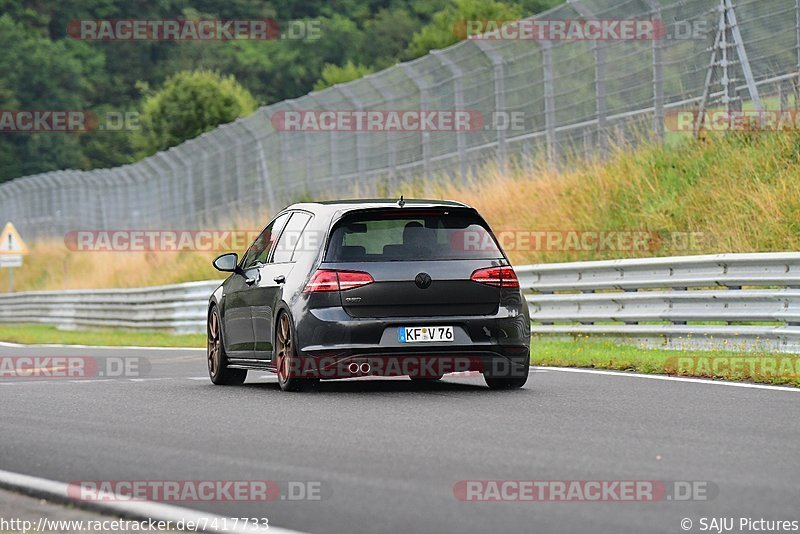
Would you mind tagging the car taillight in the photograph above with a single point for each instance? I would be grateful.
(496, 276)
(330, 280)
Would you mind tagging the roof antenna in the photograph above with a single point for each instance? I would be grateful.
(401, 202)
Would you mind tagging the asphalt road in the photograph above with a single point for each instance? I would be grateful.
(388, 452)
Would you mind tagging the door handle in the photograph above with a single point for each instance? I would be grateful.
(250, 281)
(280, 279)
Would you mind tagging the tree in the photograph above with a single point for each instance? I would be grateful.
(386, 36)
(333, 74)
(189, 104)
(444, 28)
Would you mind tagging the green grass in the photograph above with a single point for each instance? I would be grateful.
(34, 334)
(763, 367)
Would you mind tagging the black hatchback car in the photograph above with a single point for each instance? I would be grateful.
(341, 289)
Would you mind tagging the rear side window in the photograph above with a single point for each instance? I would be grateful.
(258, 253)
(290, 237)
(405, 235)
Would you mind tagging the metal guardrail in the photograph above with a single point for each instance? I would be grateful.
(660, 301)
(179, 308)
(731, 301)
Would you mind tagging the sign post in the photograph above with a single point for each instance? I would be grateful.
(12, 248)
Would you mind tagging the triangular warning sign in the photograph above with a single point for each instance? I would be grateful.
(11, 242)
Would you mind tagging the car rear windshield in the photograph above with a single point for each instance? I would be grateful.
(406, 235)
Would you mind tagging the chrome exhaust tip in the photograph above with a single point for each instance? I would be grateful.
(364, 367)
(353, 368)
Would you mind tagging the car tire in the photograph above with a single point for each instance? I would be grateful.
(509, 375)
(501, 382)
(217, 360)
(286, 357)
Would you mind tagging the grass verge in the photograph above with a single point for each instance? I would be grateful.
(735, 193)
(39, 334)
(762, 367)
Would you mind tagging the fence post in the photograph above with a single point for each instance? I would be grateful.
(388, 96)
(499, 96)
(458, 99)
(236, 154)
(189, 197)
(165, 156)
(423, 86)
(599, 81)
(658, 72)
(752, 88)
(129, 202)
(306, 148)
(262, 165)
(549, 103)
(208, 200)
(360, 163)
(154, 176)
(796, 84)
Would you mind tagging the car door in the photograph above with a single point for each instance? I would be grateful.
(237, 315)
(269, 292)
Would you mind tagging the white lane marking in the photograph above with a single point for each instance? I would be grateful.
(150, 379)
(42, 487)
(66, 346)
(671, 378)
(197, 378)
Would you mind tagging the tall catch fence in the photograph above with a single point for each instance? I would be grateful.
(575, 98)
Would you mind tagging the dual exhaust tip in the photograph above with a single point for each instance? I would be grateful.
(356, 368)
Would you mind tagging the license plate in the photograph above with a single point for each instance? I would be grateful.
(420, 334)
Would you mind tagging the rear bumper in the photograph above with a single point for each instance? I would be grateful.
(329, 341)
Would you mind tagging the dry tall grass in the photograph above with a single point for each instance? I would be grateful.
(739, 193)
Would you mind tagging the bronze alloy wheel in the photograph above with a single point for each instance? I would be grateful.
(214, 344)
(218, 369)
(286, 361)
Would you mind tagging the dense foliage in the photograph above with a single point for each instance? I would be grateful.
(44, 68)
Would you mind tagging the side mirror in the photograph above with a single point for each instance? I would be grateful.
(227, 262)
